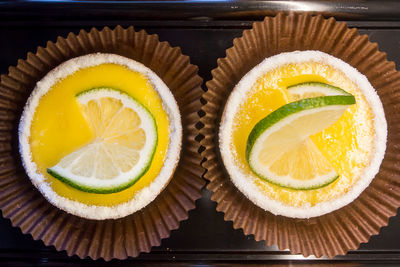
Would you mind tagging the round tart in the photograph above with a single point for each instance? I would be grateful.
(129, 236)
(344, 141)
(336, 232)
(100, 136)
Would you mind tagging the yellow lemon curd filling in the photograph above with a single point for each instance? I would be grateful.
(347, 144)
(59, 127)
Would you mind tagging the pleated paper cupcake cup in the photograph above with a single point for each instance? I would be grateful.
(108, 239)
(339, 231)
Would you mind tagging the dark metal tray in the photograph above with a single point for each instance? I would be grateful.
(203, 30)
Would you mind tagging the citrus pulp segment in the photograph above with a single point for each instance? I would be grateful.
(313, 89)
(53, 126)
(125, 140)
(279, 149)
(354, 145)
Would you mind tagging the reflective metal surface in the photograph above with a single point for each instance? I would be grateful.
(196, 10)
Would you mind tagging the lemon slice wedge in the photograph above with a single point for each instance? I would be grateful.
(123, 147)
(279, 149)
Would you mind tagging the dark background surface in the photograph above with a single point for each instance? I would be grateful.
(205, 238)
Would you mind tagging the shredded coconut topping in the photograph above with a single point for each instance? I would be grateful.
(142, 197)
(248, 187)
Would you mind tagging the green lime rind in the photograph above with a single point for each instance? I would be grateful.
(110, 88)
(102, 190)
(292, 108)
(338, 90)
(317, 186)
(134, 99)
(120, 187)
(118, 90)
(287, 110)
(131, 97)
(96, 190)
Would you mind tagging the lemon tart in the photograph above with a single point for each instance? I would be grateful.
(100, 136)
(302, 134)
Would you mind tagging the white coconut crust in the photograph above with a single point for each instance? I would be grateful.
(247, 185)
(143, 197)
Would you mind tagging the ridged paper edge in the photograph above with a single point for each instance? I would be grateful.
(121, 238)
(337, 232)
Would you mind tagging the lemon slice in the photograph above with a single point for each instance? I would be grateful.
(125, 140)
(279, 149)
(314, 89)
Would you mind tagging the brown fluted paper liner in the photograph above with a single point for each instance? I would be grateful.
(129, 236)
(344, 229)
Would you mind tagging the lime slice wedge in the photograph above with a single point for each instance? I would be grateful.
(279, 149)
(122, 150)
(314, 89)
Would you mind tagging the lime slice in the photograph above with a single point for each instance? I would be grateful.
(279, 149)
(125, 140)
(314, 89)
